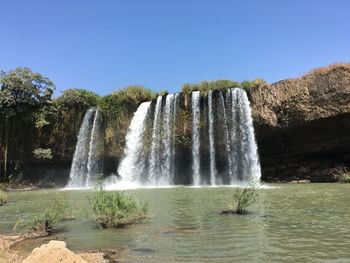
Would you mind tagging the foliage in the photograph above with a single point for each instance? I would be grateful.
(117, 110)
(46, 115)
(22, 94)
(3, 197)
(249, 84)
(163, 93)
(43, 154)
(205, 86)
(341, 174)
(245, 197)
(21, 90)
(328, 69)
(135, 94)
(44, 224)
(78, 98)
(116, 209)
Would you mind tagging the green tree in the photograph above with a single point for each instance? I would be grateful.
(80, 99)
(22, 93)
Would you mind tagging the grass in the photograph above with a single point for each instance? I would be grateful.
(341, 174)
(116, 209)
(3, 198)
(328, 69)
(244, 198)
(44, 224)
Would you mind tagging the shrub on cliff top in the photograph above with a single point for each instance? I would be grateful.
(78, 98)
(135, 94)
(116, 209)
(205, 86)
(328, 69)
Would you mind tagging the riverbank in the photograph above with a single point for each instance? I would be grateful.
(49, 251)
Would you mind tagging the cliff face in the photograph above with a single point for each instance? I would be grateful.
(302, 128)
(303, 125)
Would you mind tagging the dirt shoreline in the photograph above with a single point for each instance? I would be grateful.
(50, 251)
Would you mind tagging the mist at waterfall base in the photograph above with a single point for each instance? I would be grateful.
(220, 122)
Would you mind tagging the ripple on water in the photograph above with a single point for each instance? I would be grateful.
(291, 223)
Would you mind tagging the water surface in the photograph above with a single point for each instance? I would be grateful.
(291, 223)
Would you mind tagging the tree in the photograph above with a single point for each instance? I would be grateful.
(79, 99)
(22, 93)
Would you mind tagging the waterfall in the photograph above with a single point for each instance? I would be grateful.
(79, 168)
(131, 166)
(232, 101)
(154, 159)
(92, 164)
(173, 137)
(151, 141)
(195, 137)
(227, 137)
(213, 171)
(166, 159)
(249, 162)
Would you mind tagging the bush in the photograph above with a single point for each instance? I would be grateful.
(42, 154)
(135, 94)
(44, 224)
(205, 86)
(244, 197)
(341, 174)
(116, 209)
(3, 198)
(78, 98)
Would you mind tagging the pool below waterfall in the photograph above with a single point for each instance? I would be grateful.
(291, 223)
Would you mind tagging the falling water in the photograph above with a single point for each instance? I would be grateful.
(174, 116)
(131, 167)
(213, 172)
(250, 165)
(165, 178)
(235, 139)
(154, 163)
(92, 164)
(227, 137)
(79, 164)
(195, 137)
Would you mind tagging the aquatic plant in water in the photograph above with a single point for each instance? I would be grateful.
(244, 198)
(43, 225)
(116, 209)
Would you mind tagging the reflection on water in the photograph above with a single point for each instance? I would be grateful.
(291, 223)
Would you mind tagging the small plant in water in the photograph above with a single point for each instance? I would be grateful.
(44, 224)
(3, 198)
(341, 174)
(244, 197)
(116, 209)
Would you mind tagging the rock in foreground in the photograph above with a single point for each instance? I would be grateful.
(56, 251)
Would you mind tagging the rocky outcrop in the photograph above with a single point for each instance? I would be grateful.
(303, 125)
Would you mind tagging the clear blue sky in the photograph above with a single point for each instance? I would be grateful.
(103, 45)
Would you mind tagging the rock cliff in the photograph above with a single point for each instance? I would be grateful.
(303, 125)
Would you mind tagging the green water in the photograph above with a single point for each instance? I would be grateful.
(291, 223)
